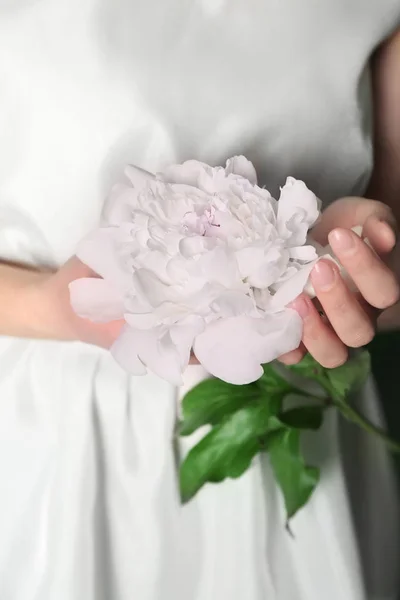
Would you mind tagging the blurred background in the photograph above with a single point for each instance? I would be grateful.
(385, 352)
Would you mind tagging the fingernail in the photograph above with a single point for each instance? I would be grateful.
(300, 305)
(323, 276)
(341, 240)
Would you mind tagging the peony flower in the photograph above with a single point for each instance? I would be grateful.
(200, 259)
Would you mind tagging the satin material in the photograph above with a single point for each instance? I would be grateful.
(89, 507)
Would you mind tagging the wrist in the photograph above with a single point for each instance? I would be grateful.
(22, 312)
(49, 314)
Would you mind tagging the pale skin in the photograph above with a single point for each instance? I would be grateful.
(353, 320)
(35, 304)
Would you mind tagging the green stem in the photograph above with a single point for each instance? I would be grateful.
(295, 391)
(353, 415)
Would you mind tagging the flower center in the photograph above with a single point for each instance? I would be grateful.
(200, 222)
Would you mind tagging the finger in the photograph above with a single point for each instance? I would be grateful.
(74, 269)
(381, 234)
(371, 312)
(193, 360)
(368, 209)
(350, 322)
(105, 334)
(375, 281)
(351, 212)
(318, 337)
(294, 357)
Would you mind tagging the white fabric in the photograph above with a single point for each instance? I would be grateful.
(89, 508)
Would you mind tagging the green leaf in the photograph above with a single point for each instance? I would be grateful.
(296, 480)
(339, 382)
(211, 401)
(303, 417)
(351, 376)
(243, 460)
(272, 383)
(228, 449)
(308, 367)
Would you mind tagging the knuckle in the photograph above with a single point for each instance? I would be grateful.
(313, 332)
(340, 304)
(363, 261)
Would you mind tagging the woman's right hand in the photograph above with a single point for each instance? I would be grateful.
(36, 304)
(58, 319)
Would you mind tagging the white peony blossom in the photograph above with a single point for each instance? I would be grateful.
(203, 259)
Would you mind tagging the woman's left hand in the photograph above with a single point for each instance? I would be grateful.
(349, 319)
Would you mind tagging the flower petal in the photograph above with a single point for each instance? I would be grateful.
(262, 266)
(234, 349)
(183, 335)
(123, 352)
(293, 287)
(119, 205)
(123, 197)
(150, 289)
(151, 348)
(309, 288)
(194, 244)
(220, 266)
(239, 165)
(298, 210)
(305, 253)
(188, 172)
(230, 303)
(96, 300)
(138, 177)
(99, 251)
(141, 320)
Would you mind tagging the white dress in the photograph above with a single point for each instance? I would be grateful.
(89, 508)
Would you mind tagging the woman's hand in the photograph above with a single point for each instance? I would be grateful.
(51, 312)
(35, 304)
(349, 318)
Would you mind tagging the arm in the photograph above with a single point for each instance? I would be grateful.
(385, 180)
(21, 309)
(36, 304)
